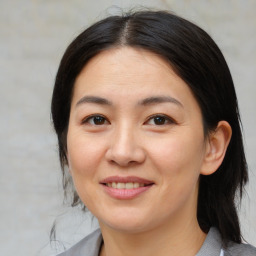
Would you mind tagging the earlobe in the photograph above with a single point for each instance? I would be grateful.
(216, 147)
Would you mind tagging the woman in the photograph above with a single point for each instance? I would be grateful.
(148, 124)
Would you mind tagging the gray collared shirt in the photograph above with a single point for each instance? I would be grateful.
(212, 246)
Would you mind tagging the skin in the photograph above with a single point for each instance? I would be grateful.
(128, 141)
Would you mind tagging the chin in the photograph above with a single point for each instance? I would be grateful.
(127, 228)
(126, 224)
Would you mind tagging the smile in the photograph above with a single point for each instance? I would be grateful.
(125, 187)
(128, 185)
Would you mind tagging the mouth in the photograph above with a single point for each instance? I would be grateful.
(125, 187)
(128, 185)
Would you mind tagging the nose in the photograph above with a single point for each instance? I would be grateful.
(125, 148)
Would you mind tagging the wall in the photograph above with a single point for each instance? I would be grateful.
(34, 34)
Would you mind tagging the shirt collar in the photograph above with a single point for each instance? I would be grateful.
(212, 244)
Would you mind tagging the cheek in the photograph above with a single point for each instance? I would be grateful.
(178, 159)
(83, 154)
(177, 151)
(178, 163)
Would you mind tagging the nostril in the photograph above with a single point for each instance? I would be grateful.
(123, 162)
(125, 154)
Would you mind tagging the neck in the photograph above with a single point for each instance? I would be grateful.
(174, 239)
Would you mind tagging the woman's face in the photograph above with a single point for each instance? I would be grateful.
(135, 141)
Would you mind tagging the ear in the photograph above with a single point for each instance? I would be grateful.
(216, 148)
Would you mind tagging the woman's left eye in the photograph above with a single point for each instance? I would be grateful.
(159, 120)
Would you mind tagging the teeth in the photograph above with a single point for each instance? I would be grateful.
(136, 185)
(120, 185)
(128, 185)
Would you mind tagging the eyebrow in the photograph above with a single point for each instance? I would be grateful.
(93, 99)
(160, 99)
(145, 102)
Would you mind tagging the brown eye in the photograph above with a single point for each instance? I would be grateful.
(159, 120)
(96, 120)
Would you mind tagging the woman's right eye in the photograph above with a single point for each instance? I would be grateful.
(95, 120)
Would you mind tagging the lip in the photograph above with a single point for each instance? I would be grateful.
(126, 179)
(125, 194)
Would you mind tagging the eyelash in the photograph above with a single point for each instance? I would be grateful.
(91, 117)
(167, 119)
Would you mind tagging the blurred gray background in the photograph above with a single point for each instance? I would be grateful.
(33, 37)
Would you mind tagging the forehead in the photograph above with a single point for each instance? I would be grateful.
(126, 62)
(128, 73)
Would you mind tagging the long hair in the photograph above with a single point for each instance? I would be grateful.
(195, 58)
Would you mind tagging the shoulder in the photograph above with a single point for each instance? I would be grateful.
(89, 246)
(213, 245)
(234, 249)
